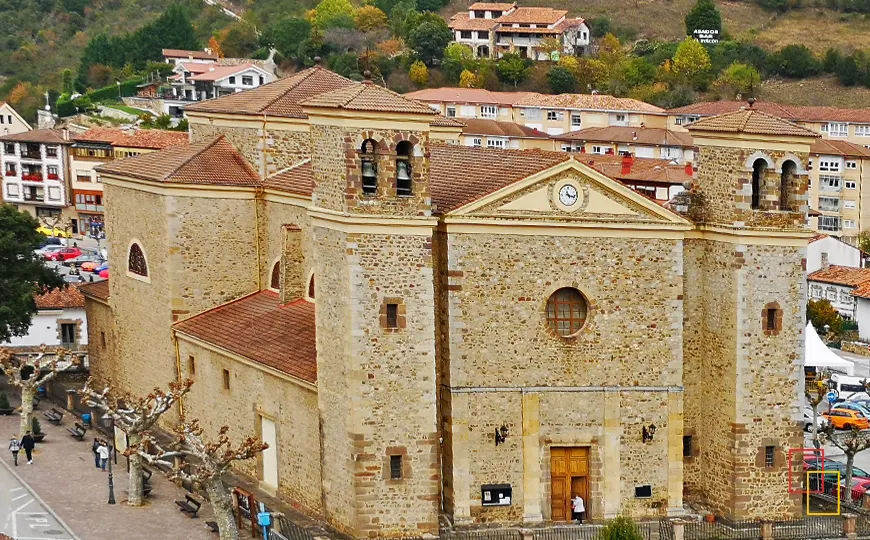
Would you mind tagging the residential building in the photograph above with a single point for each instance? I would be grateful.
(836, 284)
(35, 167)
(839, 182)
(824, 250)
(494, 29)
(10, 121)
(357, 270)
(59, 321)
(175, 56)
(102, 145)
(202, 81)
(495, 134)
(658, 179)
(642, 142)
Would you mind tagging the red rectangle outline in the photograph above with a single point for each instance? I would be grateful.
(820, 452)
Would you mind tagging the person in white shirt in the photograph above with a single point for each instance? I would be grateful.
(103, 452)
(578, 508)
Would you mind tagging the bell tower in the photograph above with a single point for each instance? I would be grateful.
(744, 305)
(371, 216)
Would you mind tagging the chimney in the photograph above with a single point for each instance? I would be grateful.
(825, 263)
(627, 162)
(65, 134)
(689, 170)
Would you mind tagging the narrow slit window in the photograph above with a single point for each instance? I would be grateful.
(768, 456)
(191, 365)
(770, 320)
(226, 379)
(395, 467)
(687, 446)
(392, 315)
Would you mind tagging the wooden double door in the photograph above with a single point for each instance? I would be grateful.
(569, 472)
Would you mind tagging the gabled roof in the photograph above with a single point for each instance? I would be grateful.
(632, 135)
(277, 98)
(467, 95)
(596, 102)
(831, 147)
(41, 136)
(367, 97)
(97, 289)
(532, 15)
(750, 121)
(14, 112)
(60, 298)
(443, 121)
(213, 162)
(789, 112)
(215, 72)
(259, 328)
(479, 126)
(648, 170)
(155, 139)
(841, 275)
(491, 6)
(462, 174)
(461, 21)
(181, 53)
(297, 179)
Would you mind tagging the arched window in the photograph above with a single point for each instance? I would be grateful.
(786, 183)
(311, 287)
(369, 164)
(566, 311)
(758, 169)
(275, 281)
(136, 261)
(404, 151)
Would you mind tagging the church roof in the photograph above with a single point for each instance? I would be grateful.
(367, 97)
(213, 162)
(97, 289)
(297, 179)
(277, 98)
(750, 121)
(258, 327)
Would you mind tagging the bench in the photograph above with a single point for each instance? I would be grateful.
(189, 505)
(213, 526)
(54, 416)
(78, 431)
(146, 481)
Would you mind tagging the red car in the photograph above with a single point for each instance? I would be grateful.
(63, 254)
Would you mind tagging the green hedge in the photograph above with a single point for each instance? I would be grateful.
(65, 106)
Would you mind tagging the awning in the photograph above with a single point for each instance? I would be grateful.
(818, 355)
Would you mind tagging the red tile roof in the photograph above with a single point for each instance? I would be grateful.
(596, 102)
(213, 162)
(277, 98)
(467, 95)
(215, 72)
(832, 147)
(631, 135)
(367, 97)
(817, 237)
(862, 291)
(97, 289)
(260, 329)
(180, 53)
(43, 136)
(461, 21)
(60, 298)
(297, 179)
(533, 15)
(477, 126)
(155, 139)
(750, 121)
(789, 112)
(649, 170)
(841, 275)
(443, 121)
(462, 174)
(491, 6)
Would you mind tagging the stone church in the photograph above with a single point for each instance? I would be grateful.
(421, 330)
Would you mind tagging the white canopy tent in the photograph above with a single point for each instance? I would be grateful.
(819, 356)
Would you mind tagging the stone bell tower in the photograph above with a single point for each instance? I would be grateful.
(744, 313)
(375, 311)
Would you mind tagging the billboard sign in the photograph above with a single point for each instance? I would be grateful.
(708, 37)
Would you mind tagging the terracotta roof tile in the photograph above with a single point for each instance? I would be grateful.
(155, 139)
(214, 72)
(817, 237)
(862, 291)
(443, 121)
(789, 112)
(598, 102)
(750, 121)
(491, 6)
(257, 327)
(478, 126)
(367, 97)
(632, 135)
(297, 179)
(467, 95)
(213, 162)
(97, 289)
(651, 170)
(277, 98)
(539, 15)
(181, 53)
(831, 147)
(461, 21)
(44, 136)
(841, 275)
(462, 174)
(60, 298)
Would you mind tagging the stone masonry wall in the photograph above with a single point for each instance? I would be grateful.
(102, 341)
(247, 140)
(252, 394)
(273, 218)
(268, 150)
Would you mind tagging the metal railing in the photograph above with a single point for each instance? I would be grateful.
(486, 534)
(733, 530)
(862, 526)
(815, 527)
(284, 529)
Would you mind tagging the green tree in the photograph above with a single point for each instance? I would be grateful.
(67, 86)
(610, 51)
(238, 40)
(332, 13)
(457, 58)
(467, 79)
(561, 80)
(368, 18)
(864, 241)
(287, 35)
(821, 313)
(591, 74)
(21, 271)
(691, 62)
(635, 71)
(620, 528)
(703, 16)
(513, 69)
(429, 40)
(419, 73)
(794, 62)
(739, 78)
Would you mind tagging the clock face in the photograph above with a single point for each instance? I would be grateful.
(568, 195)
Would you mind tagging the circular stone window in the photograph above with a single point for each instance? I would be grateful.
(566, 311)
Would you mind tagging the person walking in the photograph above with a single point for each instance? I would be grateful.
(15, 446)
(578, 508)
(103, 452)
(94, 448)
(28, 444)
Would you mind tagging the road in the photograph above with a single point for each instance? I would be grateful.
(22, 516)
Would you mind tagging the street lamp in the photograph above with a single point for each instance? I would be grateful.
(109, 423)
(119, 89)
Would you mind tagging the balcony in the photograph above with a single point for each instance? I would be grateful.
(90, 207)
(31, 155)
(33, 198)
(53, 176)
(32, 177)
(830, 183)
(10, 172)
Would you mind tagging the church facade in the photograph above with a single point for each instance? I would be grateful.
(423, 330)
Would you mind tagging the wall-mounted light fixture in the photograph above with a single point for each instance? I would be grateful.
(501, 434)
(648, 432)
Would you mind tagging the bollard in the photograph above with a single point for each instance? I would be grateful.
(679, 529)
(850, 528)
(766, 530)
(70, 400)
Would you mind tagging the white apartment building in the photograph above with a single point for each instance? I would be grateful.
(35, 168)
(200, 81)
(11, 122)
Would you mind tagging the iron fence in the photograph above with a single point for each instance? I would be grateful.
(284, 529)
(666, 530)
(486, 534)
(814, 527)
(731, 530)
(648, 530)
(862, 526)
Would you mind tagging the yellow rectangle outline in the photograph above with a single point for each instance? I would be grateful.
(837, 513)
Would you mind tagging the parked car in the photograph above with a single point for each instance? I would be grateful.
(821, 421)
(104, 273)
(846, 419)
(46, 250)
(854, 406)
(73, 278)
(85, 257)
(63, 254)
(51, 241)
(54, 232)
(104, 266)
(828, 464)
(92, 266)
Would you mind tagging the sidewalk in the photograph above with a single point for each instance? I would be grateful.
(64, 475)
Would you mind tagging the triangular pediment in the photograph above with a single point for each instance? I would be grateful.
(570, 191)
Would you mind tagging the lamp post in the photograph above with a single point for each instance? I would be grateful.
(119, 89)
(110, 425)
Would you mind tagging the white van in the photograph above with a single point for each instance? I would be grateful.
(845, 386)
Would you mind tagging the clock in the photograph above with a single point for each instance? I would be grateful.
(568, 195)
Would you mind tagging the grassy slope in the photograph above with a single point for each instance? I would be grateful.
(819, 91)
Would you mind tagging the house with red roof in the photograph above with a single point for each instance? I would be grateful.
(10, 121)
(59, 321)
(195, 81)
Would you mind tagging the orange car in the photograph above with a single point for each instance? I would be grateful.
(846, 419)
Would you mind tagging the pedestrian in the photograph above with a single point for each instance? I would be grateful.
(15, 446)
(578, 508)
(96, 454)
(28, 444)
(103, 452)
